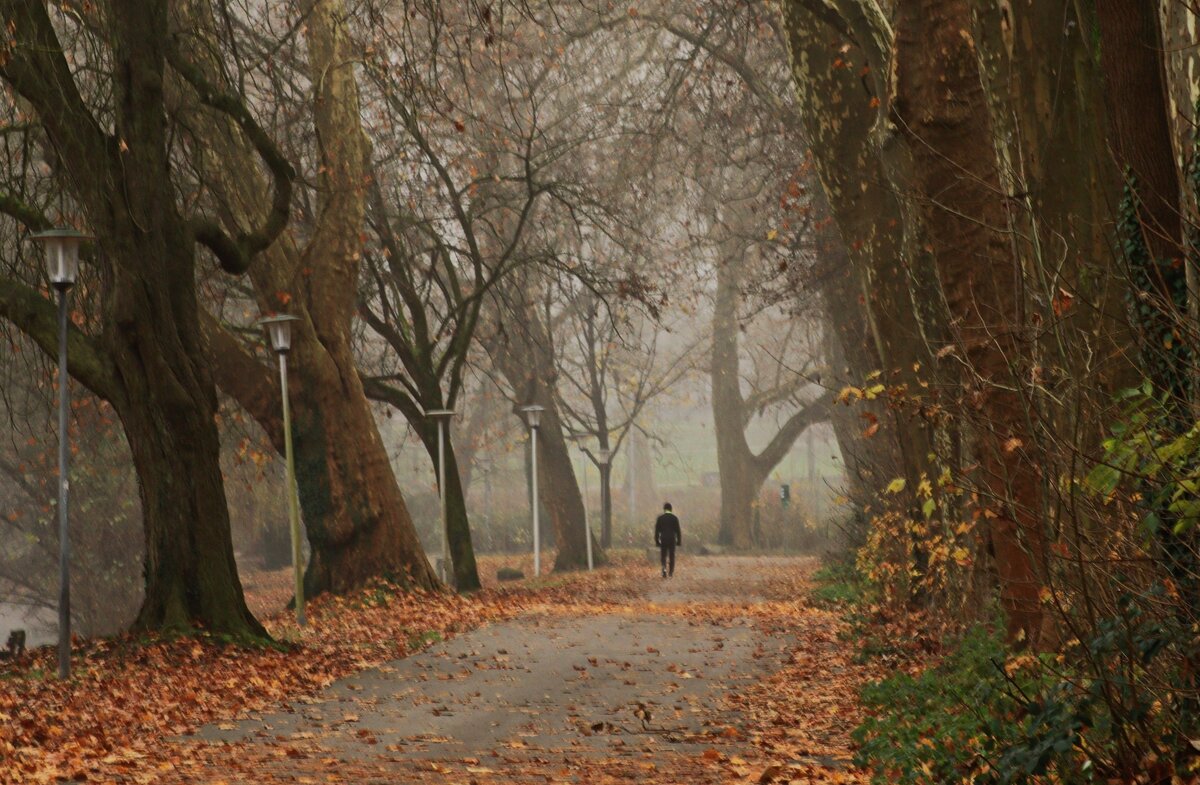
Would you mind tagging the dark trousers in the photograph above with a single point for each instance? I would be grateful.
(668, 558)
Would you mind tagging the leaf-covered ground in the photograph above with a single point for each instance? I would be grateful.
(724, 673)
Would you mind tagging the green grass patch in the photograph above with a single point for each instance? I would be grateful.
(951, 723)
(839, 584)
(422, 640)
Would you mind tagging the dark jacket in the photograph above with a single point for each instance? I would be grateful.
(667, 531)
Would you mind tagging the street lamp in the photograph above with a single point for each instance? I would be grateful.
(442, 418)
(533, 416)
(579, 438)
(62, 266)
(279, 330)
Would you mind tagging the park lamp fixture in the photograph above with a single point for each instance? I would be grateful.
(279, 328)
(533, 415)
(62, 255)
(603, 456)
(442, 418)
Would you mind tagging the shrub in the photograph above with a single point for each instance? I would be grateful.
(1104, 710)
(949, 724)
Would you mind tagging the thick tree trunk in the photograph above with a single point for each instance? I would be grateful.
(159, 383)
(940, 106)
(191, 576)
(883, 239)
(559, 491)
(606, 512)
(1041, 78)
(358, 525)
(852, 356)
(734, 458)
(1136, 96)
(739, 492)
(742, 471)
(1157, 257)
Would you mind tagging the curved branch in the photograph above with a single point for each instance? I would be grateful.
(24, 212)
(35, 66)
(235, 254)
(37, 317)
(813, 413)
(378, 390)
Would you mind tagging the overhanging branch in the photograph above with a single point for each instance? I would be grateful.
(235, 254)
(37, 317)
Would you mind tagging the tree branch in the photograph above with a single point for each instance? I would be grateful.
(235, 254)
(815, 412)
(242, 377)
(37, 317)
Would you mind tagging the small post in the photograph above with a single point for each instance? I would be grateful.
(64, 487)
(442, 417)
(533, 415)
(280, 330)
(62, 267)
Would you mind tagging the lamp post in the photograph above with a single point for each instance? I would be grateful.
(533, 416)
(442, 418)
(587, 523)
(62, 266)
(603, 459)
(279, 330)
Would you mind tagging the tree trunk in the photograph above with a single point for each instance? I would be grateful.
(1136, 96)
(560, 496)
(191, 575)
(1152, 235)
(522, 354)
(882, 238)
(739, 492)
(158, 379)
(734, 458)
(462, 551)
(940, 106)
(357, 522)
(741, 470)
(606, 513)
(852, 356)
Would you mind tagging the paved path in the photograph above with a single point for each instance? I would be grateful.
(549, 686)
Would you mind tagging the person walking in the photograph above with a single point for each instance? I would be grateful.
(667, 535)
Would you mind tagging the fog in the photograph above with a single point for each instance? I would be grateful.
(595, 214)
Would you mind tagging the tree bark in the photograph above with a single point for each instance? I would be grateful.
(462, 553)
(742, 471)
(838, 69)
(734, 458)
(940, 107)
(1136, 96)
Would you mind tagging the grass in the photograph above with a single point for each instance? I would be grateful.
(838, 584)
(421, 640)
